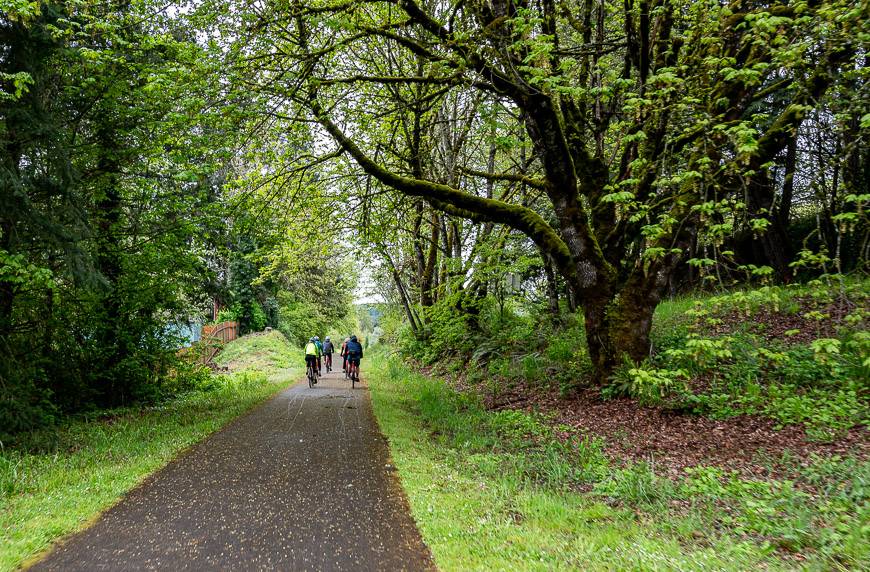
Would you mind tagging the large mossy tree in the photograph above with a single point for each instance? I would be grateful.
(649, 121)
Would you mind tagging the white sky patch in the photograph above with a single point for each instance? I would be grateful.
(366, 290)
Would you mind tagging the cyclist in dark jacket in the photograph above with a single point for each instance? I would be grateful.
(354, 349)
(328, 350)
(354, 352)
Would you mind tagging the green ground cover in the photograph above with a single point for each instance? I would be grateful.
(268, 352)
(54, 481)
(498, 491)
(799, 354)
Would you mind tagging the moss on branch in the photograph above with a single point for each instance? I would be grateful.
(456, 202)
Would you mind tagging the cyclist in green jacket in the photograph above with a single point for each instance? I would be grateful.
(312, 354)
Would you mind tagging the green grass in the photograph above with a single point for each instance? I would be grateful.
(268, 352)
(508, 487)
(56, 481)
(487, 494)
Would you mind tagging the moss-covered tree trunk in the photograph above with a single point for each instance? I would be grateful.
(427, 284)
(552, 291)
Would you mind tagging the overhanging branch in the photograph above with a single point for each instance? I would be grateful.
(456, 202)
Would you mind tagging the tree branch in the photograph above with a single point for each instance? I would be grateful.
(514, 177)
(456, 202)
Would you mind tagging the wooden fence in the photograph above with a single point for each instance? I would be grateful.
(223, 332)
(214, 337)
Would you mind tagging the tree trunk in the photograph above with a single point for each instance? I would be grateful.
(598, 336)
(775, 241)
(419, 257)
(406, 304)
(416, 326)
(783, 213)
(552, 291)
(111, 334)
(570, 297)
(619, 327)
(7, 288)
(427, 283)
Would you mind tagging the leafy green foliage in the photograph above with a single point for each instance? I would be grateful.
(817, 380)
(649, 385)
(112, 156)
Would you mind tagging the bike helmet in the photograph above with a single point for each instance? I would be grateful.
(353, 338)
(311, 339)
(316, 338)
(327, 338)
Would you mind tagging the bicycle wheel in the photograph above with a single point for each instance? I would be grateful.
(353, 381)
(310, 376)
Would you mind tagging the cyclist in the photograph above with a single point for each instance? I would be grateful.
(311, 354)
(354, 352)
(343, 354)
(328, 350)
(319, 354)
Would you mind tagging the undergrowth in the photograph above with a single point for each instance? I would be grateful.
(798, 354)
(479, 482)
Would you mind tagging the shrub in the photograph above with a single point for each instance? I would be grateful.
(186, 377)
(649, 385)
(24, 405)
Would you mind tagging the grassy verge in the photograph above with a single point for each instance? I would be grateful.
(270, 353)
(55, 482)
(497, 491)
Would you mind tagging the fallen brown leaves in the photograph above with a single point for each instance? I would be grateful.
(789, 327)
(673, 441)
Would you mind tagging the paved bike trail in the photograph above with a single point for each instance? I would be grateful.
(302, 482)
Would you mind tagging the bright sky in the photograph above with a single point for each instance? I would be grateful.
(366, 292)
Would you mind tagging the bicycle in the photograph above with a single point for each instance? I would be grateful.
(354, 374)
(328, 362)
(312, 375)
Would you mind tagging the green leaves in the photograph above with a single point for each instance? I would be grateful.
(21, 81)
(23, 11)
(24, 275)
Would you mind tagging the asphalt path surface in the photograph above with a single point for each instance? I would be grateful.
(302, 482)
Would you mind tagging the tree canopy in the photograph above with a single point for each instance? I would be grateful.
(619, 137)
